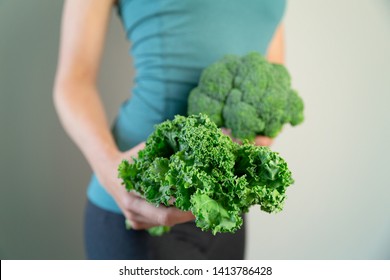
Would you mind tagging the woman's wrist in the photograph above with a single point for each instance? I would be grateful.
(105, 164)
(104, 158)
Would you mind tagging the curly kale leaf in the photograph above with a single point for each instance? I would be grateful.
(267, 175)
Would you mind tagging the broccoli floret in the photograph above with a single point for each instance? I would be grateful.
(295, 107)
(248, 95)
(214, 86)
(241, 115)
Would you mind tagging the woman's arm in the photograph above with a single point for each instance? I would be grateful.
(82, 114)
(275, 53)
(76, 97)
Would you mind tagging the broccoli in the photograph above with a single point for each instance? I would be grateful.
(248, 95)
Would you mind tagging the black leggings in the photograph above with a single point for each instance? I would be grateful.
(107, 238)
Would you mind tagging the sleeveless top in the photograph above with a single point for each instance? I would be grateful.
(171, 42)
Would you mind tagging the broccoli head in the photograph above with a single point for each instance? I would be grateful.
(247, 94)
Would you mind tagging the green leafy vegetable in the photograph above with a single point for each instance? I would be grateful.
(248, 95)
(191, 160)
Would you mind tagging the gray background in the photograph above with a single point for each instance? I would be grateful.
(338, 55)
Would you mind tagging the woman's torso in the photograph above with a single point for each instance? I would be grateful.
(171, 42)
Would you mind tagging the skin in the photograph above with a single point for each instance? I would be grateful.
(81, 112)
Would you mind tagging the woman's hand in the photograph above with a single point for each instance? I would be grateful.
(140, 213)
(259, 139)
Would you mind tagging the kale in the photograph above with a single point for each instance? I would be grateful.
(191, 160)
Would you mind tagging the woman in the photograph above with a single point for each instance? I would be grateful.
(172, 41)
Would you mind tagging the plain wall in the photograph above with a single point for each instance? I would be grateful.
(338, 208)
(338, 55)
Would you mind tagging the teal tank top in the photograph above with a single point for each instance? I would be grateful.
(171, 42)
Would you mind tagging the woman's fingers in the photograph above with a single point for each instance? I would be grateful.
(263, 141)
(136, 225)
(168, 219)
(139, 210)
(175, 216)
